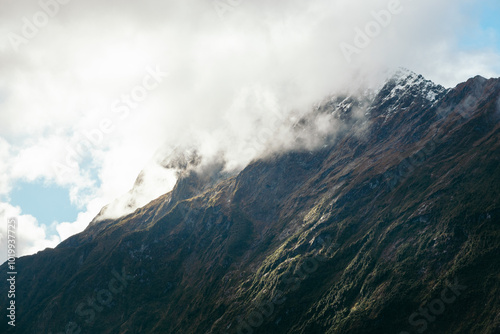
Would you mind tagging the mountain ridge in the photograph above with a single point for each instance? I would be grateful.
(353, 237)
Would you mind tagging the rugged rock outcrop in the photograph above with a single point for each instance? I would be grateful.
(391, 228)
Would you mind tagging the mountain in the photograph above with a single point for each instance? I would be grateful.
(391, 226)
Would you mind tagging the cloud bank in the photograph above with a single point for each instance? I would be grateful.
(93, 92)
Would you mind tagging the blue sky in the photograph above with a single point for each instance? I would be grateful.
(485, 32)
(46, 202)
(49, 202)
(63, 81)
(488, 12)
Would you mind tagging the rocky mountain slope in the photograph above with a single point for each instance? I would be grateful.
(393, 227)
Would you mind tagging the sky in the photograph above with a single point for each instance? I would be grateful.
(94, 92)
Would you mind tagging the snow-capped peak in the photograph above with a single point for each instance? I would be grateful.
(408, 81)
(404, 88)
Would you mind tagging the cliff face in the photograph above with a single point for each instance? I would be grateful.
(391, 228)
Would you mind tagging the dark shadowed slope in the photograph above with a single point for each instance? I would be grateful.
(393, 228)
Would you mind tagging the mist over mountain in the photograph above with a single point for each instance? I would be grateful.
(376, 210)
(93, 93)
(268, 131)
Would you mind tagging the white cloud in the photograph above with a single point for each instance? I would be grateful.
(67, 229)
(5, 185)
(233, 82)
(30, 235)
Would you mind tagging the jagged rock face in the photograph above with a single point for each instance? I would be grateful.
(394, 230)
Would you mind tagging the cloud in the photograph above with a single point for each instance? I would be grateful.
(5, 185)
(236, 80)
(67, 229)
(30, 236)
